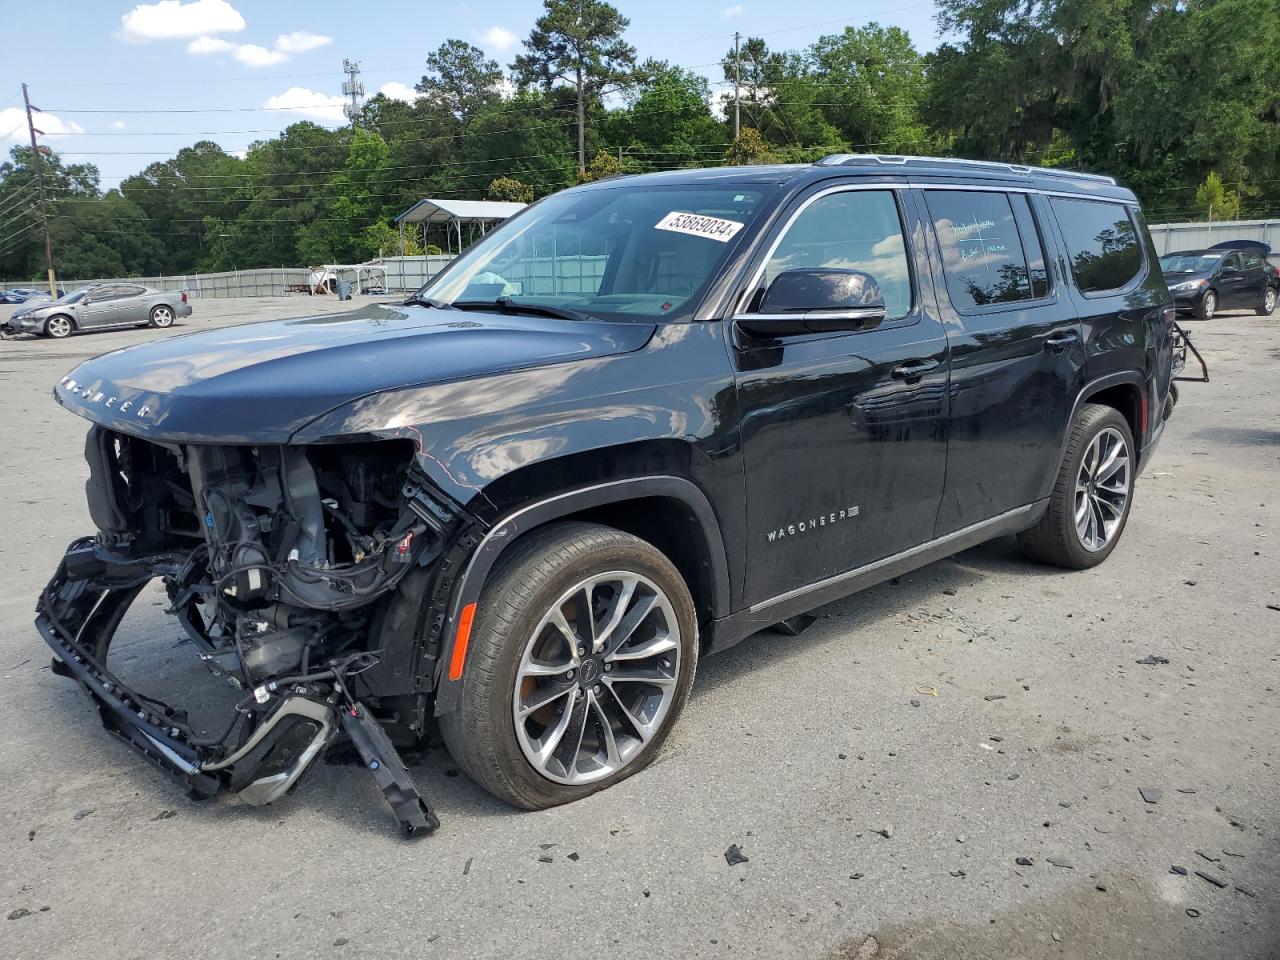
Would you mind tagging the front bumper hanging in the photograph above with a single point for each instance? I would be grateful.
(77, 615)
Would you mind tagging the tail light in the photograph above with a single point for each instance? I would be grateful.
(184, 296)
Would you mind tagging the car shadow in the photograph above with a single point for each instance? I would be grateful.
(929, 586)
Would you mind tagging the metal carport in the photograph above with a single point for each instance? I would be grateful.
(455, 213)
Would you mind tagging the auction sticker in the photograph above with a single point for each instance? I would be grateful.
(713, 228)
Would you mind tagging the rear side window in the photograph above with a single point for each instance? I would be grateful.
(1102, 243)
(991, 251)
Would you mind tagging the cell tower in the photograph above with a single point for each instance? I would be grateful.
(352, 87)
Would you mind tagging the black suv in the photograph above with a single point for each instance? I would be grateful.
(638, 422)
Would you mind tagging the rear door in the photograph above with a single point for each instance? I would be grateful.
(1257, 276)
(131, 305)
(1233, 282)
(843, 432)
(1017, 360)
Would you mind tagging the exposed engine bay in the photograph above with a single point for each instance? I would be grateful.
(303, 575)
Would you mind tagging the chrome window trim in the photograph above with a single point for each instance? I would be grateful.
(753, 284)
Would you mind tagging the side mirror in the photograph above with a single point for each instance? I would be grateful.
(816, 301)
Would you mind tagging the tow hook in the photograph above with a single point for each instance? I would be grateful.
(381, 759)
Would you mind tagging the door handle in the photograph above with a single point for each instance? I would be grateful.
(912, 370)
(1060, 341)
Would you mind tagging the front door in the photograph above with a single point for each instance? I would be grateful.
(100, 307)
(843, 433)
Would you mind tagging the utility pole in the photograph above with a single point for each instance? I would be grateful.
(38, 162)
(352, 87)
(737, 87)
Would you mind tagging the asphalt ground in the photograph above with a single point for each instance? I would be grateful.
(878, 819)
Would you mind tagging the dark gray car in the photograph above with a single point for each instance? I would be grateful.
(101, 306)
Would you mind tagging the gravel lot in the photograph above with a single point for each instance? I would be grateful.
(803, 751)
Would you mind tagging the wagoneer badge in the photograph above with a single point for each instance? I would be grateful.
(103, 398)
(812, 523)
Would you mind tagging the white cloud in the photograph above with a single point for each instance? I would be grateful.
(49, 125)
(117, 124)
(728, 13)
(499, 39)
(202, 45)
(255, 56)
(308, 103)
(301, 41)
(172, 19)
(396, 90)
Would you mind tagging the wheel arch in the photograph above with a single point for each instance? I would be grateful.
(1126, 396)
(671, 512)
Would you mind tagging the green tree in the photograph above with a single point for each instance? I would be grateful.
(749, 148)
(579, 43)
(605, 164)
(1214, 201)
(382, 239)
(509, 189)
(872, 82)
(668, 120)
(461, 79)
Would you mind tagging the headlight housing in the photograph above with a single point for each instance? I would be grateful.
(1187, 286)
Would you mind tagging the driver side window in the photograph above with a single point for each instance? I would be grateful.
(852, 229)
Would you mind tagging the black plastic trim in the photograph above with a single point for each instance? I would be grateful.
(506, 530)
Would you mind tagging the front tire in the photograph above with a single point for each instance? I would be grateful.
(59, 327)
(1090, 502)
(162, 317)
(581, 657)
(1268, 305)
(1207, 306)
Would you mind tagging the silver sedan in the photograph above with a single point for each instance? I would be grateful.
(101, 306)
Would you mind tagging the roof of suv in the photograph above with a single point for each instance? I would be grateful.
(920, 169)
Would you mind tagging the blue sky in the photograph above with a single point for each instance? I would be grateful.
(223, 61)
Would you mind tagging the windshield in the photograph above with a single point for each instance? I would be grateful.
(75, 295)
(1189, 262)
(620, 253)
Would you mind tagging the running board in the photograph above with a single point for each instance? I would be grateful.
(782, 608)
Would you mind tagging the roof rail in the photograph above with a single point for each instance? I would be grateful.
(861, 159)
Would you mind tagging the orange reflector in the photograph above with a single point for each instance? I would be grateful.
(460, 641)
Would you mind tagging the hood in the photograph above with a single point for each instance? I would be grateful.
(260, 382)
(1182, 277)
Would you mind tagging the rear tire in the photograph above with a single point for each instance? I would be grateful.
(1090, 502)
(517, 635)
(162, 316)
(1268, 305)
(1207, 306)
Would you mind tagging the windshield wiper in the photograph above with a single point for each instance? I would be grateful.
(427, 302)
(507, 305)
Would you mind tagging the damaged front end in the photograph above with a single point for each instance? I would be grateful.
(304, 577)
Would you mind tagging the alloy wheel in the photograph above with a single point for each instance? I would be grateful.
(162, 316)
(1210, 304)
(1269, 300)
(1102, 489)
(597, 677)
(58, 327)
